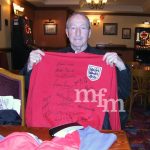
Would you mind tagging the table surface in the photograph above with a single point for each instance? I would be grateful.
(121, 143)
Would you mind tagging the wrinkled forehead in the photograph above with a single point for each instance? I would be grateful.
(78, 20)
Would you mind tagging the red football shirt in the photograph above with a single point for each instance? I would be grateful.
(68, 87)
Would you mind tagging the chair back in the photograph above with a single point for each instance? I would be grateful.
(140, 80)
(140, 86)
(133, 64)
(14, 85)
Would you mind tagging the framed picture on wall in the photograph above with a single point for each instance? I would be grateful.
(110, 28)
(50, 29)
(126, 33)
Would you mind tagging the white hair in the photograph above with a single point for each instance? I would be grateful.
(74, 14)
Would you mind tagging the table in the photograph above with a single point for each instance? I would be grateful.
(121, 143)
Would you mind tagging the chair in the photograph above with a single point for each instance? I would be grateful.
(139, 87)
(134, 65)
(13, 84)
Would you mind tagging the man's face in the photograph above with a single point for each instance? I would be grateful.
(78, 31)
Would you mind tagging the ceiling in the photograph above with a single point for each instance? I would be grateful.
(112, 6)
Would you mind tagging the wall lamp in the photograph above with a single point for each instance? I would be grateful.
(95, 20)
(18, 10)
(146, 22)
(51, 21)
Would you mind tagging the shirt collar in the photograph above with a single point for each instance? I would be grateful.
(72, 51)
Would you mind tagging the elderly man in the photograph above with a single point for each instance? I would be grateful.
(78, 31)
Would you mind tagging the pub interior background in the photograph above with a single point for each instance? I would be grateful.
(17, 45)
(29, 27)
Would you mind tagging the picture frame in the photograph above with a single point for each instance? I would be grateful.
(110, 28)
(126, 33)
(50, 29)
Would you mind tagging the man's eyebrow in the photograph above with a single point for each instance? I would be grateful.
(82, 25)
(79, 25)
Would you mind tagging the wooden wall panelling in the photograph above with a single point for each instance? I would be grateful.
(54, 41)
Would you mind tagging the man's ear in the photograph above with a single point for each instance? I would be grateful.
(67, 33)
(89, 33)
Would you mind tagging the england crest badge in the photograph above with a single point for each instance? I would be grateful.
(94, 72)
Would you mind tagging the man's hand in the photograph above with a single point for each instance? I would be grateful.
(112, 58)
(34, 58)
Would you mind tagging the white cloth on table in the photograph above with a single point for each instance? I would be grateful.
(9, 102)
